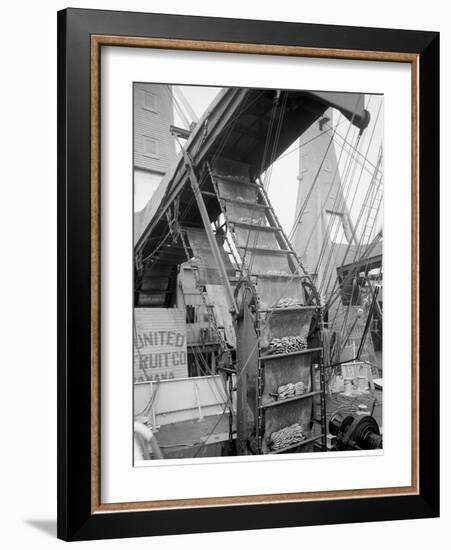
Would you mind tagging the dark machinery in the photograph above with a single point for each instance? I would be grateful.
(355, 432)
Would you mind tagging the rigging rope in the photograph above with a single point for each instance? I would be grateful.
(309, 193)
(354, 198)
(338, 204)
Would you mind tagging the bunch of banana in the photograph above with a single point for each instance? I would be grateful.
(286, 436)
(290, 390)
(300, 388)
(286, 391)
(288, 302)
(287, 344)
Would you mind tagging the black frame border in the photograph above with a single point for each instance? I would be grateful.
(75, 520)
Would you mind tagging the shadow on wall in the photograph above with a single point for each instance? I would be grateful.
(46, 526)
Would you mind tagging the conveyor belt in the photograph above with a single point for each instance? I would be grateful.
(280, 306)
(274, 300)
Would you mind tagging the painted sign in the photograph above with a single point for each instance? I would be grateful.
(159, 344)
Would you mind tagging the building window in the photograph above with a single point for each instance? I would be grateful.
(150, 102)
(151, 147)
(190, 314)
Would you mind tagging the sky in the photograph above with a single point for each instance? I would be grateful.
(286, 168)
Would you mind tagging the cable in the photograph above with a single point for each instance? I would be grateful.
(304, 206)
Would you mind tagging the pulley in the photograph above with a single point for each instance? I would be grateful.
(355, 432)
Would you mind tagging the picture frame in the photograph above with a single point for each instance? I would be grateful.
(81, 36)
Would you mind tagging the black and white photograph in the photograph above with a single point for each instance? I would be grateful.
(258, 271)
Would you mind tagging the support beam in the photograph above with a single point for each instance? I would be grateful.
(209, 231)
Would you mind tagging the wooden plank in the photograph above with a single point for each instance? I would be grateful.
(278, 402)
(296, 445)
(290, 354)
